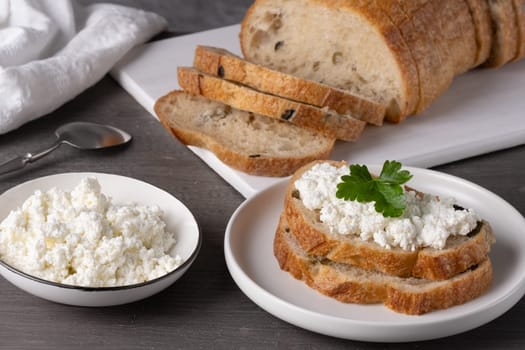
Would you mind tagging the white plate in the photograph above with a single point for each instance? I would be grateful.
(249, 256)
(121, 189)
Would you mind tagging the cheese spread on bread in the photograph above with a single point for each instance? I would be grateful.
(426, 222)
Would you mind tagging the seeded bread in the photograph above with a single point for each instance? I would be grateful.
(341, 43)
(460, 252)
(329, 123)
(352, 284)
(224, 64)
(248, 142)
(505, 33)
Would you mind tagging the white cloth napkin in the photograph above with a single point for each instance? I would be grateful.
(52, 50)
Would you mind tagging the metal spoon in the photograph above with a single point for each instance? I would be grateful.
(81, 135)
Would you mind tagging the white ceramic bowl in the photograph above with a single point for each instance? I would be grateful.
(121, 189)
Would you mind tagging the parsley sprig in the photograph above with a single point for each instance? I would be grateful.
(385, 190)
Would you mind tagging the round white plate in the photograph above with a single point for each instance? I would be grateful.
(121, 189)
(248, 248)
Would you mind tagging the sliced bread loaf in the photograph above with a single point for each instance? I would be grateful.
(224, 64)
(315, 237)
(248, 142)
(326, 122)
(341, 43)
(351, 284)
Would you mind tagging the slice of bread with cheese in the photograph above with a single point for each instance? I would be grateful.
(315, 237)
(351, 284)
(226, 65)
(324, 121)
(252, 143)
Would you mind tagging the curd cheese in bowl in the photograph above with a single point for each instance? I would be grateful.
(73, 237)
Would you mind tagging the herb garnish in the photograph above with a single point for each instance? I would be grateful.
(385, 190)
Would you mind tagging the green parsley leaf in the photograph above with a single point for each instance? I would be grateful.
(385, 190)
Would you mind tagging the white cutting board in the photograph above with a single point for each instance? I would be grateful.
(483, 111)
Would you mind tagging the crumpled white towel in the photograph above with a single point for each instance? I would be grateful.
(52, 50)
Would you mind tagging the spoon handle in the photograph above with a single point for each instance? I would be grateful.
(21, 161)
(14, 164)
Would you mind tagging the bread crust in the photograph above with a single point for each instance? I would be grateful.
(419, 42)
(519, 10)
(315, 238)
(480, 13)
(442, 39)
(226, 65)
(505, 33)
(262, 165)
(354, 285)
(330, 124)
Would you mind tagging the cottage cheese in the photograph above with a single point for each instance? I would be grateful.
(81, 238)
(426, 221)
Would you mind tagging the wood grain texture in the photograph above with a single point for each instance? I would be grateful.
(204, 309)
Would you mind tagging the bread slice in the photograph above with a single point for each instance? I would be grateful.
(441, 37)
(458, 33)
(352, 284)
(224, 64)
(519, 10)
(251, 143)
(434, 73)
(480, 13)
(505, 33)
(460, 252)
(345, 44)
(329, 123)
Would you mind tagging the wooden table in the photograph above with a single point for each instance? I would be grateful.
(205, 308)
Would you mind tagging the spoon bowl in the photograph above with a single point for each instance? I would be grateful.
(86, 136)
(81, 135)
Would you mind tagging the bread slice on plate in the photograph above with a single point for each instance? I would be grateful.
(251, 143)
(224, 64)
(323, 121)
(505, 33)
(341, 43)
(315, 237)
(351, 284)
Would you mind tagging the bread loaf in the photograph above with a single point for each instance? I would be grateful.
(341, 43)
(246, 141)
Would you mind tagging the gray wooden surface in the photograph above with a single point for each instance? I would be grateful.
(204, 309)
